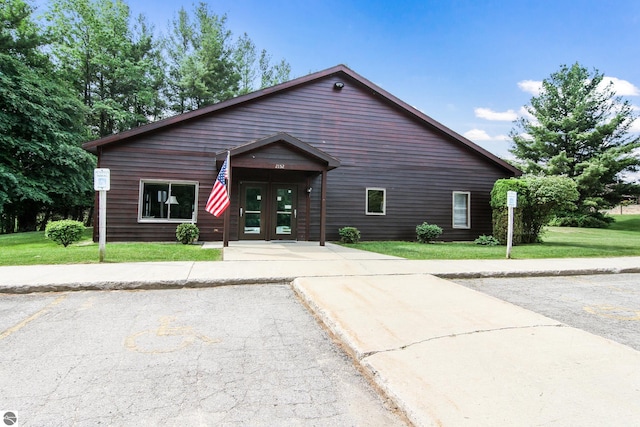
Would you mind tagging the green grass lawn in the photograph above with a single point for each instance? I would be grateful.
(33, 248)
(621, 239)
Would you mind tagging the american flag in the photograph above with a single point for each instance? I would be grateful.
(219, 198)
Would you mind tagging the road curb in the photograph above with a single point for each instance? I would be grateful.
(135, 285)
(538, 273)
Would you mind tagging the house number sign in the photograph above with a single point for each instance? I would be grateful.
(279, 165)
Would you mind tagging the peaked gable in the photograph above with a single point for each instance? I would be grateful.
(340, 71)
(290, 143)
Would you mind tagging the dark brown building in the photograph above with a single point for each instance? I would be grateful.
(308, 157)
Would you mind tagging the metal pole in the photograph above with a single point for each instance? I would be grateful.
(323, 208)
(510, 232)
(227, 214)
(103, 223)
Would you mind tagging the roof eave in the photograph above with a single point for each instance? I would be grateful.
(433, 123)
(92, 146)
(388, 97)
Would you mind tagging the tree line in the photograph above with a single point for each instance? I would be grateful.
(84, 69)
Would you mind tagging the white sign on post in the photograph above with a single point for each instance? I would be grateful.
(102, 179)
(102, 183)
(512, 202)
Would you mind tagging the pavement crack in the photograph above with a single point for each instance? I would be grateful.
(479, 331)
(189, 273)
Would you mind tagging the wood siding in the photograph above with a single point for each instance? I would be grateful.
(378, 144)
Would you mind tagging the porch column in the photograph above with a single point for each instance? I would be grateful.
(323, 207)
(226, 229)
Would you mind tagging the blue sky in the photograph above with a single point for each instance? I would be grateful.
(464, 63)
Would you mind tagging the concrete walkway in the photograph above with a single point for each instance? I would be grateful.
(444, 354)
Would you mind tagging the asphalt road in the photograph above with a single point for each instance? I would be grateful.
(605, 305)
(227, 356)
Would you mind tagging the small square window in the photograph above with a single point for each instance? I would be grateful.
(376, 201)
(168, 201)
(461, 209)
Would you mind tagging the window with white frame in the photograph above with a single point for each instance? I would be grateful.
(376, 201)
(168, 201)
(461, 209)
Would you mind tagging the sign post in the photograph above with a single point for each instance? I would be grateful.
(512, 202)
(102, 184)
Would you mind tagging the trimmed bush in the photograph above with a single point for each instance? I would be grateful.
(64, 232)
(187, 233)
(486, 241)
(349, 235)
(573, 219)
(427, 232)
(540, 198)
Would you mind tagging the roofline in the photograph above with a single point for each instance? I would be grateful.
(190, 115)
(308, 149)
(437, 125)
(93, 146)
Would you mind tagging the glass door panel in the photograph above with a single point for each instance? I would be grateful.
(252, 208)
(285, 212)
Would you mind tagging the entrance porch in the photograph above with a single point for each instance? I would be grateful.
(271, 190)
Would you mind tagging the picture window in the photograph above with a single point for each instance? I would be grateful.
(168, 201)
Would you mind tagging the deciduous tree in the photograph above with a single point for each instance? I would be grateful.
(42, 167)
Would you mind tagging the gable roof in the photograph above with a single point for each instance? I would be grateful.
(338, 70)
(282, 137)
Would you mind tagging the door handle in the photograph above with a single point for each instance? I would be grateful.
(240, 212)
(295, 213)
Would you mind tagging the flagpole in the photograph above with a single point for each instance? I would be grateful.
(227, 213)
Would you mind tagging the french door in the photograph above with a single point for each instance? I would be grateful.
(268, 211)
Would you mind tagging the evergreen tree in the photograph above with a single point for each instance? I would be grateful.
(202, 66)
(206, 66)
(579, 128)
(114, 69)
(272, 75)
(245, 58)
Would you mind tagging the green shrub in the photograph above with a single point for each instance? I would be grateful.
(574, 219)
(187, 233)
(427, 232)
(486, 241)
(539, 199)
(64, 232)
(349, 235)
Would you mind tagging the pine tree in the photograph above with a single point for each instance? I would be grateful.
(579, 128)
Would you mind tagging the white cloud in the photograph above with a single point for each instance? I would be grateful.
(487, 113)
(481, 135)
(533, 87)
(635, 126)
(527, 115)
(621, 87)
(477, 135)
